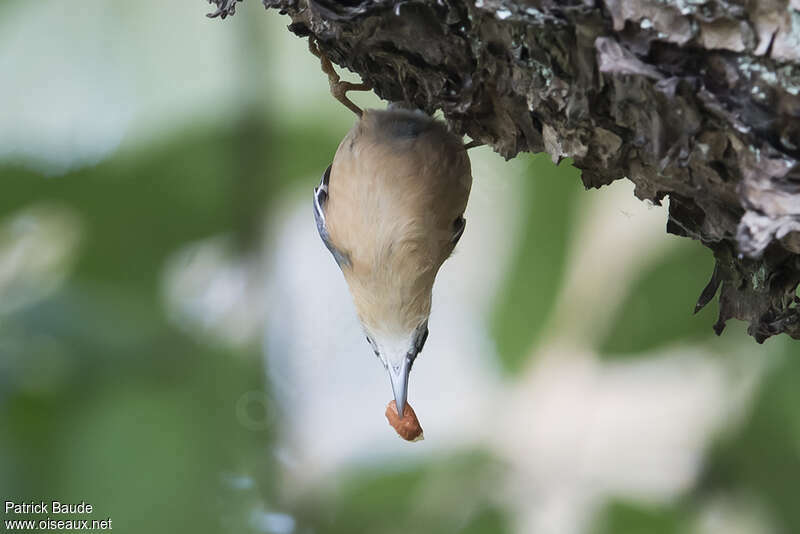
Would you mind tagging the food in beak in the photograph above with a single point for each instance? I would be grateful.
(406, 427)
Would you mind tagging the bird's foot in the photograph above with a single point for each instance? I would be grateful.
(339, 88)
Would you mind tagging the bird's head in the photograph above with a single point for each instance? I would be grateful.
(398, 351)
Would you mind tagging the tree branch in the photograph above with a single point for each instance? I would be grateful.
(698, 100)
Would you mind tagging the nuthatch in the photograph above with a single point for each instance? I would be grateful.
(391, 209)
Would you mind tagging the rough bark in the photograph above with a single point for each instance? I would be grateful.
(695, 99)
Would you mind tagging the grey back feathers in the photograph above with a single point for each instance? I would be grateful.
(409, 126)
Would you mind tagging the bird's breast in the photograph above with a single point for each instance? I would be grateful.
(395, 191)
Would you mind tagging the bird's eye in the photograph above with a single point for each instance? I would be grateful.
(458, 228)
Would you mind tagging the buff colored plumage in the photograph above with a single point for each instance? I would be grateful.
(399, 184)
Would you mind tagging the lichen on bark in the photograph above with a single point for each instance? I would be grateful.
(698, 100)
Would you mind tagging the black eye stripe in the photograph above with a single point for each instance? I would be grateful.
(421, 337)
(372, 344)
(326, 176)
(421, 341)
(458, 228)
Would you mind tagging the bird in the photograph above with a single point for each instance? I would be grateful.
(390, 209)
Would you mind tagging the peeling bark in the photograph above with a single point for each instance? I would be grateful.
(695, 99)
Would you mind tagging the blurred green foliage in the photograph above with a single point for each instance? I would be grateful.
(657, 310)
(762, 456)
(532, 284)
(628, 518)
(449, 494)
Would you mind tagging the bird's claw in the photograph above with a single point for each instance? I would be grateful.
(339, 88)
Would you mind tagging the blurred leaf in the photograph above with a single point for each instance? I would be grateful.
(630, 518)
(489, 521)
(658, 308)
(534, 280)
(762, 457)
(449, 494)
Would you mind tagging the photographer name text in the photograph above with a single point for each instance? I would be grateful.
(50, 523)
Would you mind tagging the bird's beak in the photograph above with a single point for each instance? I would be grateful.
(399, 377)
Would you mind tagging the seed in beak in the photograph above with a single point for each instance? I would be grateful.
(406, 427)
